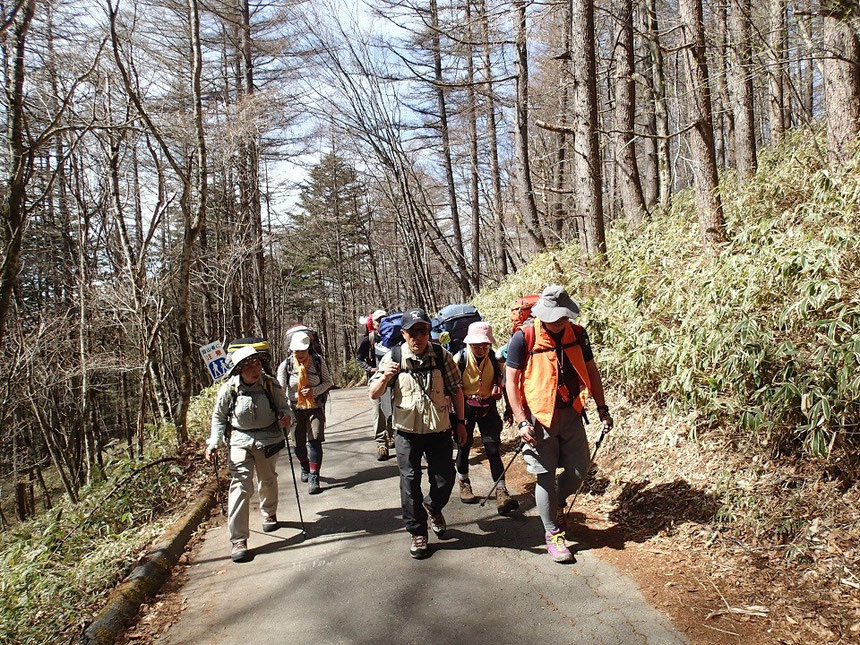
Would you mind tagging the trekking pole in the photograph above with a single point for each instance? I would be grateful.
(217, 467)
(502, 476)
(296, 487)
(588, 470)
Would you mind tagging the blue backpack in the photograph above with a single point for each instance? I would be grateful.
(455, 319)
(389, 330)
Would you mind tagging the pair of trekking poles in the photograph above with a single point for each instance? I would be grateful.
(519, 449)
(292, 471)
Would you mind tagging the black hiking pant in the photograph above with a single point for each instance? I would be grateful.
(490, 425)
(436, 447)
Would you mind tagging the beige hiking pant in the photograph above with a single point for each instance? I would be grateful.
(243, 462)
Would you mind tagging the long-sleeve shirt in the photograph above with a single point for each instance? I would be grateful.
(253, 421)
(365, 355)
(318, 379)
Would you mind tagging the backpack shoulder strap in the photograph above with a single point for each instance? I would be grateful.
(495, 363)
(440, 360)
(529, 335)
(267, 390)
(396, 354)
(461, 360)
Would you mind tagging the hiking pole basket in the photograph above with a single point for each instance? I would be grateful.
(587, 470)
(296, 487)
(502, 476)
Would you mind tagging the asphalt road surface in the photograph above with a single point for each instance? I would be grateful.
(352, 580)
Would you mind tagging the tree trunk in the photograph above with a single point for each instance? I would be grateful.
(457, 231)
(742, 73)
(526, 196)
(776, 52)
(252, 174)
(193, 222)
(841, 80)
(710, 210)
(471, 107)
(625, 110)
(13, 210)
(728, 116)
(661, 110)
(560, 172)
(588, 160)
(495, 175)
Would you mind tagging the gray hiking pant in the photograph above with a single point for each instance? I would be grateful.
(383, 432)
(564, 446)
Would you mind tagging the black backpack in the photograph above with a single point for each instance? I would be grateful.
(455, 319)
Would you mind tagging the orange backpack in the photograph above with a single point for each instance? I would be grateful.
(521, 310)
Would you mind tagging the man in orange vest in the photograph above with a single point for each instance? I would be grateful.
(550, 375)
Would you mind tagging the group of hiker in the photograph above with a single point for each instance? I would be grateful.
(425, 399)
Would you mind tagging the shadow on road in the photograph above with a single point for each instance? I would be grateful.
(377, 473)
(641, 512)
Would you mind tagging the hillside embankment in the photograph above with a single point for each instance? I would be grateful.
(733, 379)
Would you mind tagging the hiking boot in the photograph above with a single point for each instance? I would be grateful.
(504, 502)
(561, 518)
(313, 483)
(239, 553)
(381, 452)
(419, 549)
(466, 494)
(305, 475)
(557, 548)
(436, 522)
(270, 523)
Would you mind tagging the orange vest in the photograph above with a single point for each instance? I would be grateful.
(539, 381)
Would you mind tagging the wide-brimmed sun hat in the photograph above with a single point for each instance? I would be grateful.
(555, 304)
(243, 354)
(479, 333)
(376, 315)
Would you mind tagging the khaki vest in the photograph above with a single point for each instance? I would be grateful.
(415, 408)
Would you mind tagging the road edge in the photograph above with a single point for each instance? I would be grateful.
(147, 578)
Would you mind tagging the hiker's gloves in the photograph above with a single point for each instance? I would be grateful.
(603, 413)
(527, 433)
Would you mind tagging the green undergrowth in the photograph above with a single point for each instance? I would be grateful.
(59, 567)
(761, 339)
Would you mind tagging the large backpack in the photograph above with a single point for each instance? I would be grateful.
(521, 311)
(316, 344)
(389, 330)
(267, 382)
(260, 344)
(455, 319)
(317, 360)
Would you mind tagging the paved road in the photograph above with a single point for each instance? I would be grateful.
(352, 579)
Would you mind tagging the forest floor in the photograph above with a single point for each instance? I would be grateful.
(664, 508)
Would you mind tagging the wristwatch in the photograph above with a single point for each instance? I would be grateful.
(461, 421)
(525, 422)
